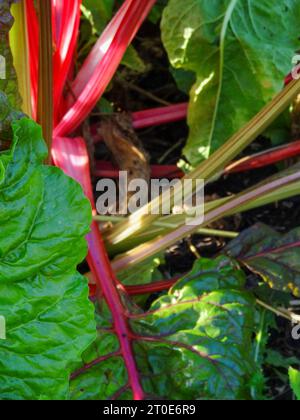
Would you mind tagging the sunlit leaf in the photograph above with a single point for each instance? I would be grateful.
(240, 51)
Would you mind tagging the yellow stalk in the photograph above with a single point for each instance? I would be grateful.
(231, 206)
(45, 90)
(165, 225)
(20, 50)
(212, 167)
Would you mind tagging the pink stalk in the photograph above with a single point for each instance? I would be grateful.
(288, 79)
(33, 36)
(151, 118)
(143, 289)
(269, 157)
(107, 170)
(66, 16)
(159, 116)
(98, 52)
(72, 157)
(106, 67)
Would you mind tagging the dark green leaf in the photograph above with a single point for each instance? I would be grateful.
(275, 257)
(184, 79)
(133, 61)
(105, 106)
(280, 130)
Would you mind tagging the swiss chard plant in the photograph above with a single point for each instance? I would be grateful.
(135, 331)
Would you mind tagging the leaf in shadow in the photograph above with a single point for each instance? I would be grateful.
(194, 342)
(274, 256)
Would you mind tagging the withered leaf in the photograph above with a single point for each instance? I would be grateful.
(125, 146)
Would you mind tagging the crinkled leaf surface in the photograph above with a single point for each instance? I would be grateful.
(8, 83)
(274, 256)
(195, 342)
(101, 375)
(240, 51)
(44, 218)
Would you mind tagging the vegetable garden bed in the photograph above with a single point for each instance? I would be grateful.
(149, 304)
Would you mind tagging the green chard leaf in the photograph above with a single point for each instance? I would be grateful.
(142, 274)
(44, 218)
(101, 12)
(193, 343)
(185, 80)
(133, 61)
(7, 116)
(8, 77)
(240, 51)
(273, 256)
(295, 381)
(145, 273)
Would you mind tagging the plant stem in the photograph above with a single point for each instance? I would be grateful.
(283, 313)
(259, 336)
(159, 116)
(45, 87)
(107, 170)
(99, 264)
(19, 43)
(232, 205)
(156, 287)
(102, 63)
(213, 166)
(33, 49)
(71, 155)
(143, 289)
(95, 362)
(150, 118)
(168, 223)
(259, 346)
(268, 157)
(205, 232)
(67, 20)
